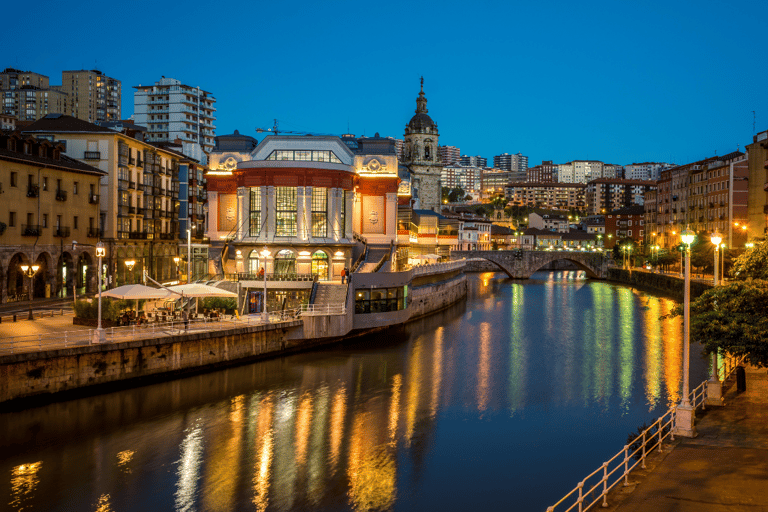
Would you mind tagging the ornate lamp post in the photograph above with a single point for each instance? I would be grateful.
(98, 336)
(130, 264)
(30, 272)
(685, 413)
(264, 316)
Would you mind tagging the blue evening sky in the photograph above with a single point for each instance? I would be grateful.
(620, 81)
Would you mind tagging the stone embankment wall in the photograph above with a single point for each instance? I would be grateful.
(429, 298)
(670, 284)
(34, 373)
(481, 265)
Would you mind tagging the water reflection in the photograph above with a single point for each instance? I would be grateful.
(361, 428)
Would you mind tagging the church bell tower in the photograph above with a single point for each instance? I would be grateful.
(421, 157)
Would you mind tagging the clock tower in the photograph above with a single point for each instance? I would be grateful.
(421, 157)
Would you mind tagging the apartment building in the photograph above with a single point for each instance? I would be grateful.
(449, 154)
(556, 196)
(625, 223)
(474, 161)
(758, 177)
(645, 171)
(546, 172)
(467, 177)
(49, 201)
(171, 110)
(606, 194)
(516, 164)
(91, 95)
(28, 96)
(139, 195)
(493, 182)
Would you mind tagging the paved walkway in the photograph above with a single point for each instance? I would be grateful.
(725, 468)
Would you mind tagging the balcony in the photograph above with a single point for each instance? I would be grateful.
(92, 155)
(138, 235)
(61, 195)
(147, 213)
(33, 191)
(165, 236)
(139, 163)
(93, 233)
(93, 198)
(131, 210)
(31, 230)
(131, 185)
(61, 232)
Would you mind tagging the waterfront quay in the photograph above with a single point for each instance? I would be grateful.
(39, 366)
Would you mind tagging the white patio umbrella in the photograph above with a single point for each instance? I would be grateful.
(200, 290)
(136, 292)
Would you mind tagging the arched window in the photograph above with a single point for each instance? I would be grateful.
(285, 262)
(320, 265)
(427, 153)
(254, 263)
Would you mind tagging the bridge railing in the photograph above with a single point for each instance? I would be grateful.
(438, 268)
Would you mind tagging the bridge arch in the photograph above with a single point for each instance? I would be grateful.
(522, 264)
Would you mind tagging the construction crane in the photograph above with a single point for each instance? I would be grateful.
(276, 131)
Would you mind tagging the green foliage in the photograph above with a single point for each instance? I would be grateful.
(732, 318)
(752, 264)
(703, 253)
(227, 304)
(110, 309)
(452, 195)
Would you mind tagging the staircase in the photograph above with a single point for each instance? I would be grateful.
(375, 253)
(330, 293)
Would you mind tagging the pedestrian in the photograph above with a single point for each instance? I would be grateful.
(185, 317)
(343, 274)
(261, 273)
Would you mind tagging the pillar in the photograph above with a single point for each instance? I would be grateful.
(269, 206)
(239, 224)
(336, 196)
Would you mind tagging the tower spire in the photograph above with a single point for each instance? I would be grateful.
(421, 101)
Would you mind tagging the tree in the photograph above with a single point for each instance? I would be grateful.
(732, 318)
(752, 264)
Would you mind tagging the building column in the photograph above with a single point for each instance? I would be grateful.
(301, 212)
(263, 216)
(212, 218)
(334, 205)
(357, 213)
(239, 216)
(391, 215)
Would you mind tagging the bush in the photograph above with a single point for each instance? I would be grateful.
(226, 304)
(110, 309)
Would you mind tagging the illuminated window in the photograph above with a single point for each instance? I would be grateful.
(319, 212)
(255, 226)
(285, 211)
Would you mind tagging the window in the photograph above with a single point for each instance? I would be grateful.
(74, 188)
(45, 220)
(343, 214)
(74, 222)
(285, 211)
(45, 182)
(319, 212)
(285, 262)
(255, 212)
(14, 179)
(11, 219)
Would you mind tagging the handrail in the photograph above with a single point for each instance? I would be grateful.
(322, 309)
(436, 268)
(598, 483)
(361, 258)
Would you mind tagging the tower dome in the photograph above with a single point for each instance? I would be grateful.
(421, 122)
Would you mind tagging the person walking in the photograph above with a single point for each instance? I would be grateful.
(343, 274)
(185, 317)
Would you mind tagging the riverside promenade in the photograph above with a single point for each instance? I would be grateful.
(724, 468)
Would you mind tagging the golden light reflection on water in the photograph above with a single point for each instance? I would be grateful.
(672, 338)
(123, 460)
(188, 469)
(316, 468)
(263, 441)
(303, 419)
(627, 308)
(484, 367)
(24, 481)
(653, 352)
(414, 391)
(338, 413)
(437, 370)
(103, 504)
(223, 459)
(371, 469)
(394, 407)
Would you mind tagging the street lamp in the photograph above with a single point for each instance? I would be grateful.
(716, 239)
(189, 256)
(176, 260)
(684, 413)
(130, 264)
(265, 254)
(30, 272)
(98, 336)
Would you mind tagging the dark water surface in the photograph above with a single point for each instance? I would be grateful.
(502, 402)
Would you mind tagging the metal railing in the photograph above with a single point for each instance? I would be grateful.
(594, 488)
(148, 330)
(322, 309)
(436, 268)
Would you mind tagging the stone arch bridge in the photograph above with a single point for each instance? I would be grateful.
(521, 266)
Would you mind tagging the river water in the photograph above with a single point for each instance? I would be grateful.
(502, 402)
